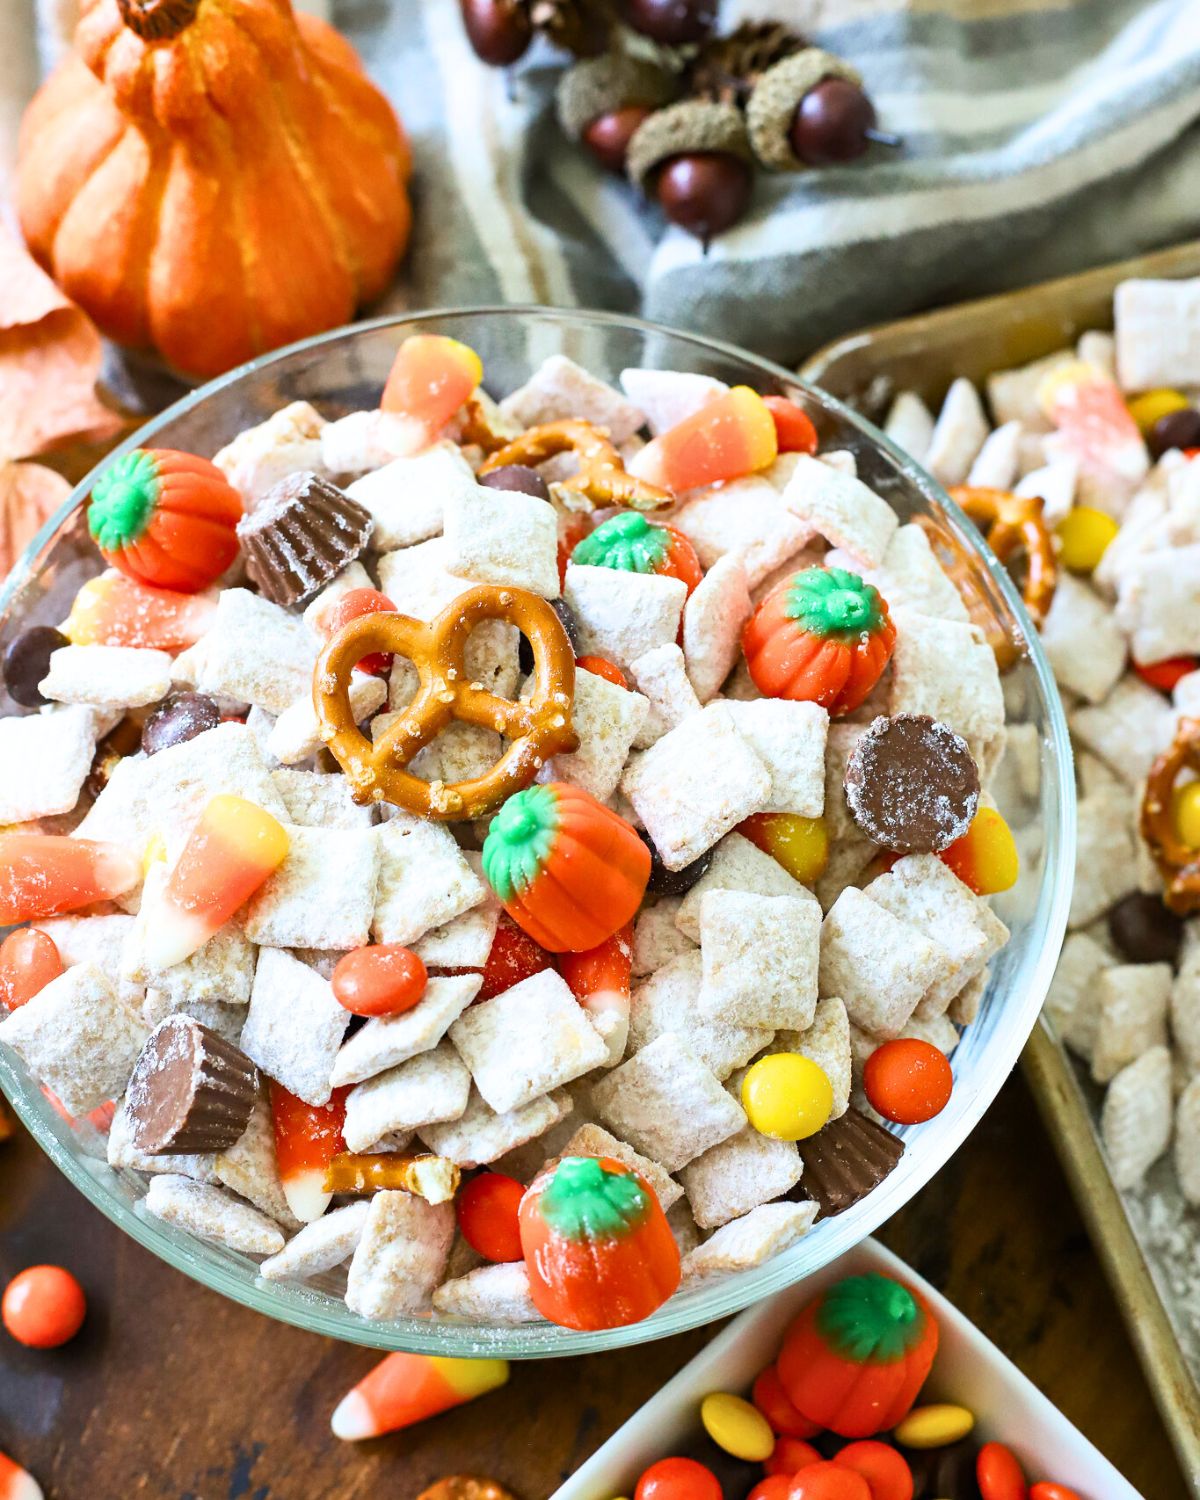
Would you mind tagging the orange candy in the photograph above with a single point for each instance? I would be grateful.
(733, 435)
(114, 610)
(43, 1307)
(407, 1388)
(307, 1138)
(600, 666)
(794, 432)
(775, 1404)
(774, 1487)
(985, 858)
(828, 1481)
(17, 1483)
(998, 1474)
(908, 1081)
(1049, 1491)
(1163, 675)
(430, 379)
(384, 980)
(886, 1473)
(29, 960)
(487, 1215)
(44, 874)
(790, 1455)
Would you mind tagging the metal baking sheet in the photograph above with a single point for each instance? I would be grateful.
(1160, 1303)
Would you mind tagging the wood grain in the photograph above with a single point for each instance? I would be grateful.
(171, 1392)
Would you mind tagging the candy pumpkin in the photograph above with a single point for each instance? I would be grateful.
(165, 518)
(632, 544)
(597, 1245)
(823, 635)
(212, 180)
(567, 869)
(856, 1358)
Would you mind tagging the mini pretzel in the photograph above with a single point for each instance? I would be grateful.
(602, 479)
(433, 1178)
(976, 588)
(1178, 864)
(1013, 524)
(476, 431)
(538, 728)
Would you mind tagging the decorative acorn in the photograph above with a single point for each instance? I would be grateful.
(672, 23)
(500, 31)
(810, 110)
(603, 100)
(695, 158)
(726, 68)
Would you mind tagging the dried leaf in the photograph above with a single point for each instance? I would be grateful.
(49, 361)
(29, 495)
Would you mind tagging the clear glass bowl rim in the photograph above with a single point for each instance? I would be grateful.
(304, 1309)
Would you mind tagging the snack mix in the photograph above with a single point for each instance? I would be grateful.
(1107, 436)
(512, 861)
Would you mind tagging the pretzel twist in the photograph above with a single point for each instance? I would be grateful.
(538, 727)
(1178, 863)
(602, 478)
(1013, 524)
(969, 576)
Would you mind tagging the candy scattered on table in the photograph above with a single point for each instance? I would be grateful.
(17, 1483)
(43, 1307)
(407, 1388)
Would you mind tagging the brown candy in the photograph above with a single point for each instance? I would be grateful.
(191, 1091)
(27, 662)
(302, 533)
(179, 719)
(1144, 930)
(911, 784)
(466, 1487)
(845, 1160)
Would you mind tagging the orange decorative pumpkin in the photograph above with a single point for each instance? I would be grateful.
(212, 180)
(567, 869)
(597, 1245)
(856, 1358)
(165, 518)
(823, 635)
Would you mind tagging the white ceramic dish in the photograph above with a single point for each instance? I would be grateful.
(969, 1370)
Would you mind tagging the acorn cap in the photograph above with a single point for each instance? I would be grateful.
(772, 105)
(613, 81)
(693, 125)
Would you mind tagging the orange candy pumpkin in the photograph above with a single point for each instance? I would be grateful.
(823, 636)
(212, 181)
(855, 1359)
(165, 518)
(597, 1245)
(567, 869)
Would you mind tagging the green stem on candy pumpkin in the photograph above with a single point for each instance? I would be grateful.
(831, 602)
(520, 840)
(870, 1318)
(627, 542)
(583, 1201)
(123, 501)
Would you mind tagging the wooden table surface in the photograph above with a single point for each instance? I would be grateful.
(172, 1392)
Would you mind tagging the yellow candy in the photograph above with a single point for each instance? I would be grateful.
(787, 1096)
(1185, 811)
(1083, 538)
(1146, 410)
(738, 1427)
(800, 845)
(934, 1426)
(155, 850)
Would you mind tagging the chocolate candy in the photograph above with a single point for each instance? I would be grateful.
(1145, 931)
(114, 747)
(911, 784)
(180, 718)
(845, 1160)
(666, 882)
(190, 1090)
(944, 1473)
(566, 618)
(27, 661)
(1177, 429)
(519, 477)
(301, 535)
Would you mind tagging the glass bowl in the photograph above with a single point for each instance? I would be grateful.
(345, 370)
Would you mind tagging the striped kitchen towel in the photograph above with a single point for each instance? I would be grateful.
(1040, 136)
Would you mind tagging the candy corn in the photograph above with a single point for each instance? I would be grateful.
(231, 852)
(307, 1138)
(407, 1388)
(29, 960)
(430, 379)
(1094, 424)
(16, 1483)
(43, 874)
(599, 980)
(986, 857)
(732, 436)
(113, 610)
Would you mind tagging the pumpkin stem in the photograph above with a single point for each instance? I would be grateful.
(834, 602)
(870, 1317)
(628, 542)
(123, 501)
(158, 20)
(584, 1201)
(520, 840)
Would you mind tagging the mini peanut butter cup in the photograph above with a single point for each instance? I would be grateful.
(301, 535)
(912, 784)
(191, 1090)
(845, 1160)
